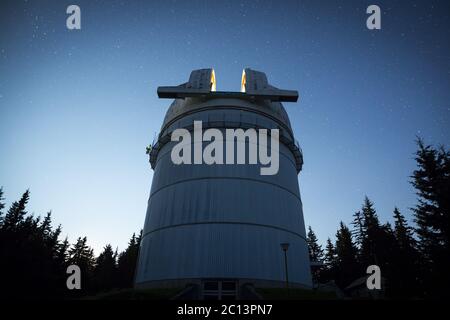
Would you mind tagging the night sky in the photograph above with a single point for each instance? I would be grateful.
(77, 108)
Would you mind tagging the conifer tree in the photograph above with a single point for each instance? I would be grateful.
(347, 267)
(16, 213)
(370, 249)
(431, 180)
(127, 262)
(403, 232)
(358, 228)
(105, 273)
(329, 272)
(83, 256)
(315, 250)
(404, 282)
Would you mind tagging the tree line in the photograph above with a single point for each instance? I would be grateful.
(34, 258)
(414, 260)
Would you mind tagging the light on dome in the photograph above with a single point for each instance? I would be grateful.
(243, 81)
(213, 81)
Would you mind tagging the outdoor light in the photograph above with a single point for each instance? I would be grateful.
(285, 247)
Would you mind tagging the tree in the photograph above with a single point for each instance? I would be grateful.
(315, 254)
(329, 272)
(330, 254)
(105, 273)
(62, 252)
(347, 266)
(28, 251)
(315, 250)
(370, 249)
(127, 262)
(432, 215)
(432, 183)
(378, 242)
(83, 256)
(405, 259)
(34, 259)
(403, 232)
(358, 228)
(16, 212)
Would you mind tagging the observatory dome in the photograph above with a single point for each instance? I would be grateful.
(224, 223)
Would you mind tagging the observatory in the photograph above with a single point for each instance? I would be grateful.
(219, 227)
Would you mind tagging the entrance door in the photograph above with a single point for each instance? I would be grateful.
(219, 290)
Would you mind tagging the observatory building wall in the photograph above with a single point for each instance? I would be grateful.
(223, 221)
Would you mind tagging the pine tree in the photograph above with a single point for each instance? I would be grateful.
(127, 262)
(61, 264)
(83, 256)
(378, 243)
(62, 252)
(347, 266)
(28, 248)
(328, 273)
(15, 247)
(16, 213)
(358, 228)
(315, 254)
(315, 250)
(105, 273)
(330, 254)
(370, 249)
(405, 259)
(432, 215)
(403, 232)
(386, 250)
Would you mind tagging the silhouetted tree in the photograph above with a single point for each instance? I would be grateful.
(105, 272)
(314, 248)
(403, 232)
(16, 213)
(127, 262)
(377, 241)
(358, 228)
(329, 272)
(83, 256)
(28, 251)
(370, 247)
(315, 253)
(432, 215)
(404, 280)
(34, 260)
(347, 267)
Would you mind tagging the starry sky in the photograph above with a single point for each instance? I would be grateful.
(78, 107)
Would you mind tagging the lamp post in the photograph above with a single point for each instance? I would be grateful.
(285, 247)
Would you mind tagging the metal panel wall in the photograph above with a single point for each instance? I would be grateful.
(223, 221)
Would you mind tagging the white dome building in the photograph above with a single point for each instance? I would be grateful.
(219, 227)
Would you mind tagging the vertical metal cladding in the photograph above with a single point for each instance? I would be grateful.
(224, 221)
